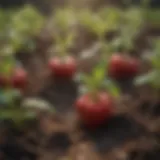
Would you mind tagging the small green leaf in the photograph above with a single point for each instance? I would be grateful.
(152, 17)
(146, 79)
(7, 64)
(112, 88)
(84, 78)
(17, 116)
(99, 71)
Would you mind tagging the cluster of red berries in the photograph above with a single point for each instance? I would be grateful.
(92, 111)
(95, 111)
(120, 67)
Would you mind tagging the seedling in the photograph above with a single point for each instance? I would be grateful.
(18, 29)
(97, 80)
(132, 23)
(11, 94)
(63, 65)
(100, 23)
(153, 76)
(95, 105)
(63, 30)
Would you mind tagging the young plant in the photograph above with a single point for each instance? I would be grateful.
(100, 23)
(13, 106)
(12, 76)
(153, 76)
(132, 22)
(63, 65)
(26, 23)
(18, 29)
(96, 103)
(9, 96)
(123, 66)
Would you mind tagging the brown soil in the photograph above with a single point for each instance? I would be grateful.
(133, 134)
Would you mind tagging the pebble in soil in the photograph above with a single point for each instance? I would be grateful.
(115, 132)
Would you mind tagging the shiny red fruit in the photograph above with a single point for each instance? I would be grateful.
(63, 68)
(122, 67)
(19, 78)
(94, 112)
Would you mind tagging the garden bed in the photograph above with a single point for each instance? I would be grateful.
(133, 132)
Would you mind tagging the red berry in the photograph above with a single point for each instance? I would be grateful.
(122, 67)
(63, 68)
(19, 78)
(94, 112)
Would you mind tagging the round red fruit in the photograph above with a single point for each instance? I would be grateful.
(122, 67)
(94, 112)
(63, 67)
(19, 78)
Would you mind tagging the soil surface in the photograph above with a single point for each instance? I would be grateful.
(132, 134)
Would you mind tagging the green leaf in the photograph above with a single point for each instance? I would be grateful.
(7, 64)
(155, 56)
(16, 115)
(152, 17)
(99, 71)
(155, 61)
(84, 78)
(112, 88)
(63, 18)
(146, 79)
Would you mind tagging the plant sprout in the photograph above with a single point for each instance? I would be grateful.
(18, 27)
(153, 76)
(105, 20)
(97, 81)
(64, 35)
(64, 18)
(10, 97)
(132, 23)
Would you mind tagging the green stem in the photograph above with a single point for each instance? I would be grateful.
(94, 88)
